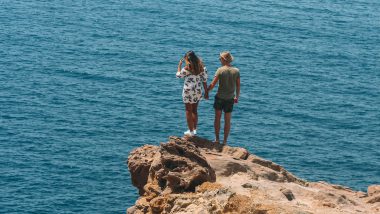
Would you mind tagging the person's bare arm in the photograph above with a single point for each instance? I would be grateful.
(213, 83)
(205, 88)
(180, 73)
(180, 65)
(237, 90)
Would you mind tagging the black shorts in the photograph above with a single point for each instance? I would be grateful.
(225, 105)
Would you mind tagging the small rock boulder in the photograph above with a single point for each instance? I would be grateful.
(288, 194)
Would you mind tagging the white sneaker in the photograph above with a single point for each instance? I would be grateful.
(189, 133)
(195, 132)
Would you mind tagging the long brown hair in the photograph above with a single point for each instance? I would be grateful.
(195, 63)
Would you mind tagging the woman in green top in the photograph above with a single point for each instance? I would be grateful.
(228, 78)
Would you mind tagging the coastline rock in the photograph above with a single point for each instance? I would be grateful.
(373, 190)
(139, 163)
(180, 167)
(174, 167)
(193, 175)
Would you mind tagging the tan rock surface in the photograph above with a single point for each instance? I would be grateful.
(193, 175)
(373, 190)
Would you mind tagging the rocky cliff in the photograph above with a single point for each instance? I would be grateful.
(194, 175)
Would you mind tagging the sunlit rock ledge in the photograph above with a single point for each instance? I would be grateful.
(194, 175)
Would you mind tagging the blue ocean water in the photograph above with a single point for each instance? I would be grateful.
(82, 83)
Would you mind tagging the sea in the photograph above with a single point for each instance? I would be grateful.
(84, 82)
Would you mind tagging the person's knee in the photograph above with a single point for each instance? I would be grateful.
(227, 117)
(194, 108)
(188, 108)
(218, 115)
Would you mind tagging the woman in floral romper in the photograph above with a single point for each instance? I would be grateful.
(195, 75)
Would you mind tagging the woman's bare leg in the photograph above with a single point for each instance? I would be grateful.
(189, 116)
(195, 114)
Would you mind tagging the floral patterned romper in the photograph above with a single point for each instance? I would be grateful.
(192, 88)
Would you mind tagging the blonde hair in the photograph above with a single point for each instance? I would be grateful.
(227, 56)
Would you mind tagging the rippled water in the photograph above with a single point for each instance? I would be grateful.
(84, 82)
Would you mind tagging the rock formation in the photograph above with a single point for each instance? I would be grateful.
(194, 175)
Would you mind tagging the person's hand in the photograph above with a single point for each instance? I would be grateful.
(236, 100)
(206, 95)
